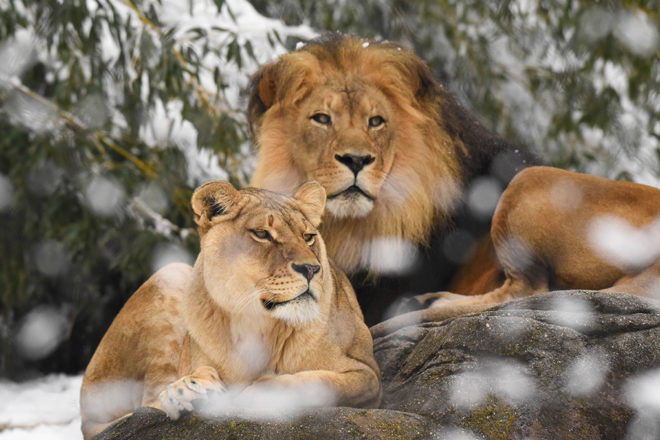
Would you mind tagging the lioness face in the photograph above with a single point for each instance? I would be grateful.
(262, 255)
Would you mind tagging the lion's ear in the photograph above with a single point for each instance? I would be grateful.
(426, 84)
(262, 94)
(311, 201)
(213, 199)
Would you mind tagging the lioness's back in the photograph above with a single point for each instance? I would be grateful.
(141, 340)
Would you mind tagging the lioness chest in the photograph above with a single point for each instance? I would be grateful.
(248, 349)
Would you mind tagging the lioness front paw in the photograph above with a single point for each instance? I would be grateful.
(179, 397)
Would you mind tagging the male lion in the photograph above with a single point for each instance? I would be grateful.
(398, 157)
(263, 306)
(412, 182)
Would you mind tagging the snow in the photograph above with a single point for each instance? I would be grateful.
(45, 408)
(483, 195)
(637, 32)
(622, 244)
(104, 196)
(17, 54)
(642, 395)
(627, 145)
(48, 407)
(236, 21)
(587, 373)
(41, 331)
(509, 380)
(389, 255)
(573, 312)
(168, 253)
(199, 28)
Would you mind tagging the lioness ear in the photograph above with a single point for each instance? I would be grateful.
(262, 94)
(213, 199)
(311, 201)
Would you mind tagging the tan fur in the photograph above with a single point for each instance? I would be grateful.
(545, 236)
(183, 333)
(415, 177)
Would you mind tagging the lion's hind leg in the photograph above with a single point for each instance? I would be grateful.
(441, 309)
(645, 283)
(448, 305)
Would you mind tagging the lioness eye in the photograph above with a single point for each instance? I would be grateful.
(376, 121)
(261, 234)
(309, 238)
(322, 119)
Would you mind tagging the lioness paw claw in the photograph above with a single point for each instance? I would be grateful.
(179, 396)
(194, 385)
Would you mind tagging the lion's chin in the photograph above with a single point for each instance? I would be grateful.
(351, 206)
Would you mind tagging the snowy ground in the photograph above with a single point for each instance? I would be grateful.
(42, 409)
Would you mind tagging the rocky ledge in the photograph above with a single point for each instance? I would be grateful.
(561, 365)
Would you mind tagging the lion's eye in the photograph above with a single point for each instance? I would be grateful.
(376, 121)
(261, 234)
(309, 238)
(322, 119)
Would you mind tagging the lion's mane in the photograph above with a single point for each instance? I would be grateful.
(440, 150)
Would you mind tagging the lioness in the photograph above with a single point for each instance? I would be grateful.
(413, 180)
(263, 306)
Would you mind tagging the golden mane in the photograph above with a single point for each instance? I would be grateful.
(424, 184)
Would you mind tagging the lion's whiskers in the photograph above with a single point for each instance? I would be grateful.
(248, 299)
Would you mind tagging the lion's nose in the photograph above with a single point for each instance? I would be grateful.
(307, 270)
(354, 162)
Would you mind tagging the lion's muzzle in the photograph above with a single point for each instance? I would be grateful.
(307, 270)
(355, 163)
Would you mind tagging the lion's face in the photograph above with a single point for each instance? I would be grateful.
(343, 139)
(261, 252)
(364, 120)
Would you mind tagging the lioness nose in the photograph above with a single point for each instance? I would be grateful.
(354, 162)
(307, 270)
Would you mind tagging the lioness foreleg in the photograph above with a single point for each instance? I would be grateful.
(179, 396)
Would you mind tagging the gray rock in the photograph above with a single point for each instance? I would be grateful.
(562, 365)
(555, 365)
(321, 424)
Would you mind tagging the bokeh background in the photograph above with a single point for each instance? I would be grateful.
(113, 111)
